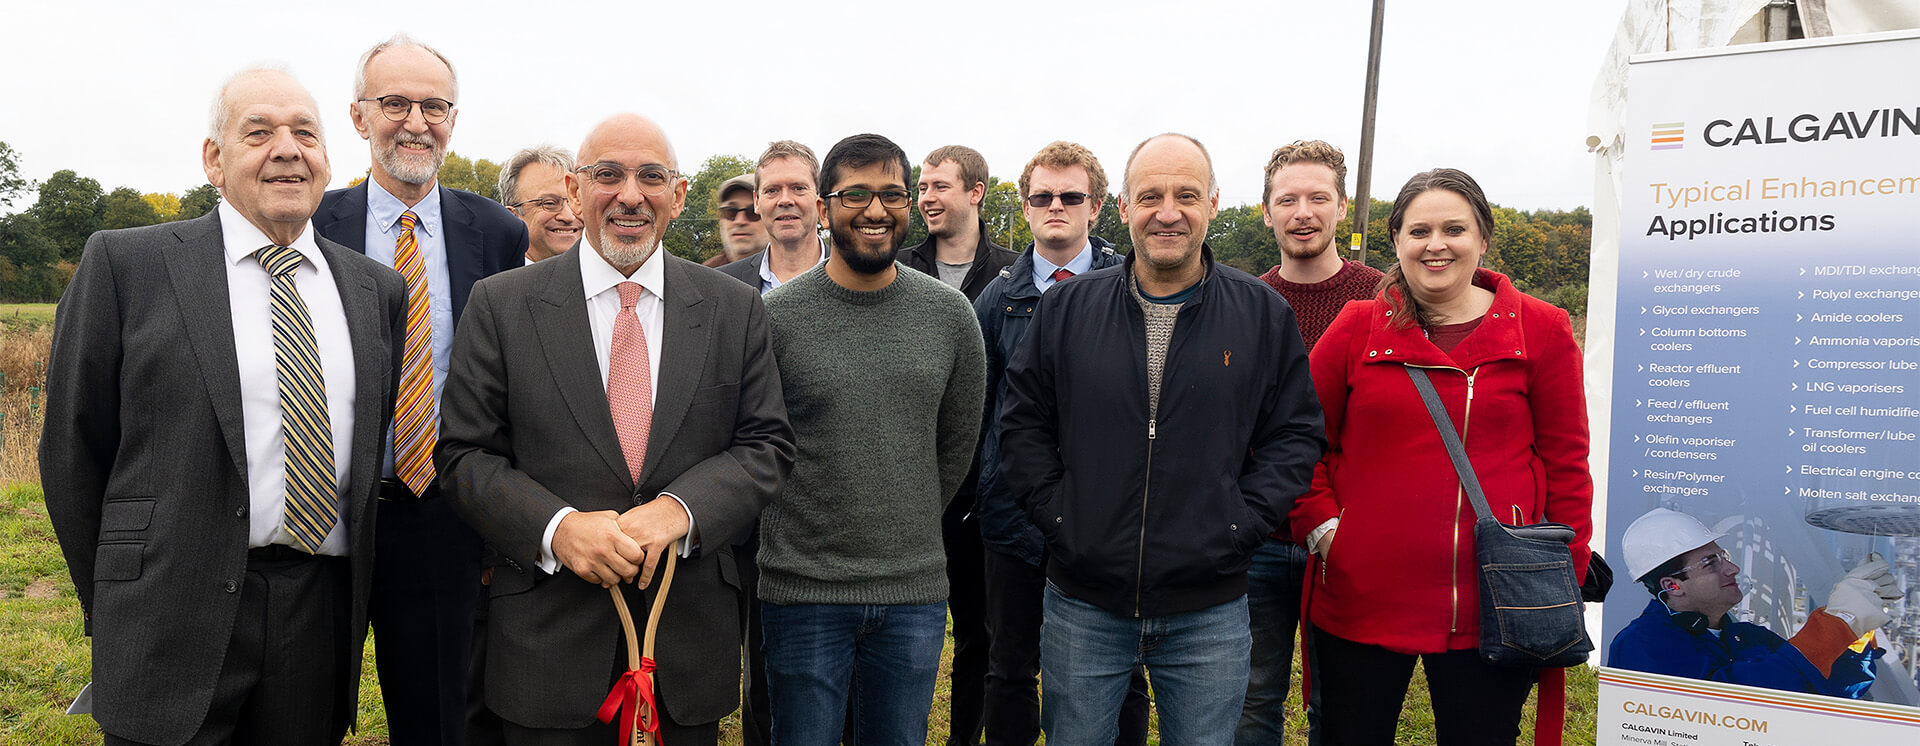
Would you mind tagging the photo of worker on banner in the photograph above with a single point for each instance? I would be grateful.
(1687, 630)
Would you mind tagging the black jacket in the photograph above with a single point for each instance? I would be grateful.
(1148, 518)
(988, 259)
(1005, 310)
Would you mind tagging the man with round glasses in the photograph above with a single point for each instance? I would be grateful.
(427, 568)
(1686, 631)
(533, 184)
(742, 232)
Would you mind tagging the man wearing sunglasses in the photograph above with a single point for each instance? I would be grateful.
(882, 371)
(534, 185)
(742, 232)
(1061, 190)
(1685, 630)
(427, 567)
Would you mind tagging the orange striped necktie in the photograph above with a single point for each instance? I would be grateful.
(414, 425)
(307, 435)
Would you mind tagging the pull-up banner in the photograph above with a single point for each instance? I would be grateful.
(1767, 383)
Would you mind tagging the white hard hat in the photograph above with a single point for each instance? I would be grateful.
(1661, 535)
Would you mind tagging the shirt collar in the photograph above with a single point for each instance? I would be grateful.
(598, 276)
(386, 208)
(766, 268)
(241, 238)
(1078, 265)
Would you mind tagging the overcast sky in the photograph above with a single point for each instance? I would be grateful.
(119, 91)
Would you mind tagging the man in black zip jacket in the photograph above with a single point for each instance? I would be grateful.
(1061, 190)
(953, 183)
(1158, 420)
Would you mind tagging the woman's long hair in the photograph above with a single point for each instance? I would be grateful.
(1407, 309)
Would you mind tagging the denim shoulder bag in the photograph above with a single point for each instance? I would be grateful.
(1530, 610)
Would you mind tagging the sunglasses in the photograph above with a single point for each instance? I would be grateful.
(729, 212)
(1067, 199)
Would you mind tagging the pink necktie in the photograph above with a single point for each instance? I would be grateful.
(1061, 274)
(630, 381)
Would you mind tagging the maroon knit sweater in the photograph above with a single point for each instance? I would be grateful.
(1317, 304)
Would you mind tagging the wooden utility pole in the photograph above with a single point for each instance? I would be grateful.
(1364, 181)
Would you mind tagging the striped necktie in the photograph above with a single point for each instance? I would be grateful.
(312, 509)
(414, 424)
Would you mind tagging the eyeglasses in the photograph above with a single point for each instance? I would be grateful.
(892, 199)
(396, 108)
(729, 212)
(1045, 199)
(543, 204)
(654, 179)
(1709, 564)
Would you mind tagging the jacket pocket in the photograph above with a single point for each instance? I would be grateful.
(712, 394)
(118, 560)
(511, 580)
(126, 514)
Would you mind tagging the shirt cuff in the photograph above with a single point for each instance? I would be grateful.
(1313, 537)
(686, 542)
(548, 562)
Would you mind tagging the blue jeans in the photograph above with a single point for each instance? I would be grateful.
(882, 658)
(1196, 662)
(1273, 606)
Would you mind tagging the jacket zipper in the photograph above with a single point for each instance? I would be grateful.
(1459, 498)
(1146, 492)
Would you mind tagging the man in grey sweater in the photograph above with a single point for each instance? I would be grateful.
(884, 375)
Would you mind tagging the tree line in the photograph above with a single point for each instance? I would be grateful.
(1545, 251)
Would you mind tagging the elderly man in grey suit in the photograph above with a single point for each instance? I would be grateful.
(604, 408)
(216, 403)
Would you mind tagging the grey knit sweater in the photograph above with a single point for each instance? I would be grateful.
(884, 390)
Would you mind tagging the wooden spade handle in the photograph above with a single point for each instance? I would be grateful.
(636, 648)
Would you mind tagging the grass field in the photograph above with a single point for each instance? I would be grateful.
(44, 656)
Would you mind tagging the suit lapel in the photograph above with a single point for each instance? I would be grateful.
(371, 362)
(686, 326)
(347, 221)
(464, 239)
(197, 270)
(566, 338)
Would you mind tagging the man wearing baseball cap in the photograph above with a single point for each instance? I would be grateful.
(741, 230)
(1685, 630)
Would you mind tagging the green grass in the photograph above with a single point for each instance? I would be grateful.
(46, 657)
(25, 315)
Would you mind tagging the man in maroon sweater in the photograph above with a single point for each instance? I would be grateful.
(1304, 199)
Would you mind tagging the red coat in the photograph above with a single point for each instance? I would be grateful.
(1400, 572)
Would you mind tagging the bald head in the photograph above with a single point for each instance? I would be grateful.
(629, 189)
(624, 131)
(245, 85)
(1172, 145)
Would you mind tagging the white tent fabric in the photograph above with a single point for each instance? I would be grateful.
(1669, 26)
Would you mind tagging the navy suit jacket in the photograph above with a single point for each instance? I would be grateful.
(482, 237)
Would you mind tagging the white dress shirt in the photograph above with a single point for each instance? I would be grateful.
(602, 283)
(248, 297)
(430, 236)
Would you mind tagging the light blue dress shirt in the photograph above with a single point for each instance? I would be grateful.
(429, 232)
(1043, 269)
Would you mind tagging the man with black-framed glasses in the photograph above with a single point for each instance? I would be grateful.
(533, 184)
(882, 371)
(427, 572)
(742, 232)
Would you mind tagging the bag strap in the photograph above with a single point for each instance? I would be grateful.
(1455, 450)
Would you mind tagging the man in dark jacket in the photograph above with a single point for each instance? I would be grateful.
(953, 182)
(1062, 188)
(1155, 456)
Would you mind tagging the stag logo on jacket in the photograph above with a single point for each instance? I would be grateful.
(1226, 358)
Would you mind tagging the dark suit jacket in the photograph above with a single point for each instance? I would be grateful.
(747, 270)
(143, 460)
(482, 237)
(525, 430)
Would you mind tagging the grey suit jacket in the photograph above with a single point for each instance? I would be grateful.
(143, 460)
(525, 431)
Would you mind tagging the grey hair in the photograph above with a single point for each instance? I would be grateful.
(1126, 177)
(222, 109)
(556, 157)
(400, 39)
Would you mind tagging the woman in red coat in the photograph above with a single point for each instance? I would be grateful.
(1390, 529)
